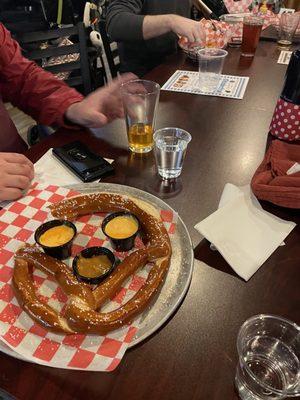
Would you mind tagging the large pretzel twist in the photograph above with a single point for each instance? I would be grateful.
(81, 313)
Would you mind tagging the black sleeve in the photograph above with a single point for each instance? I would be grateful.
(124, 21)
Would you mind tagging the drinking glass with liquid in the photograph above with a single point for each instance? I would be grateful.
(252, 26)
(287, 28)
(269, 359)
(170, 147)
(140, 99)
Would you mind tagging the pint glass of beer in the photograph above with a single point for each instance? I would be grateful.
(140, 100)
(252, 27)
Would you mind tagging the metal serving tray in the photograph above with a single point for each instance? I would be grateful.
(179, 275)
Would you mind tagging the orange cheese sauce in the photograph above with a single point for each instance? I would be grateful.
(56, 236)
(121, 227)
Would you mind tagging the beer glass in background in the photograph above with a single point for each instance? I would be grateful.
(269, 359)
(140, 100)
(287, 28)
(252, 26)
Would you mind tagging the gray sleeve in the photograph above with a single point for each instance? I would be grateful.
(124, 21)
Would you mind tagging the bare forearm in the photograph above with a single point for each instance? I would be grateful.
(156, 25)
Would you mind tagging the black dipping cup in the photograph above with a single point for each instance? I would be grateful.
(89, 253)
(125, 244)
(60, 252)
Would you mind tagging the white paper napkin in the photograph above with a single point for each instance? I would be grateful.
(243, 232)
(49, 169)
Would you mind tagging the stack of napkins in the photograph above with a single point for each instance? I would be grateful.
(242, 231)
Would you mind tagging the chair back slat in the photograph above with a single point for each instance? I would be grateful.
(67, 67)
(52, 52)
(80, 69)
(40, 36)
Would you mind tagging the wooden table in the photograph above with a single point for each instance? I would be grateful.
(194, 355)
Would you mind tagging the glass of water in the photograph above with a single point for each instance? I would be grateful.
(269, 359)
(169, 148)
(211, 63)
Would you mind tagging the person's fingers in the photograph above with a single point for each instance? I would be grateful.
(127, 77)
(196, 34)
(16, 158)
(201, 33)
(114, 86)
(19, 169)
(9, 193)
(189, 34)
(31, 174)
(97, 120)
(120, 113)
(16, 181)
(116, 114)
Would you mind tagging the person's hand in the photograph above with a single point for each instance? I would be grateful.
(187, 28)
(16, 173)
(100, 107)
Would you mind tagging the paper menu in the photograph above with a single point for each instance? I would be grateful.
(230, 86)
(284, 57)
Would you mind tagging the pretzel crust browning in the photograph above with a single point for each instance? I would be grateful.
(81, 312)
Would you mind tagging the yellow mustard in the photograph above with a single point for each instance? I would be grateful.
(94, 266)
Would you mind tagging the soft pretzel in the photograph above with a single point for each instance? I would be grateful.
(80, 314)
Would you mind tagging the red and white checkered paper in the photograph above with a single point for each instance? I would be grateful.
(217, 33)
(236, 7)
(18, 222)
(226, 31)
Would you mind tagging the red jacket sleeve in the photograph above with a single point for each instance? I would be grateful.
(30, 88)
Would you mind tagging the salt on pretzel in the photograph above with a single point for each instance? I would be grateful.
(81, 313)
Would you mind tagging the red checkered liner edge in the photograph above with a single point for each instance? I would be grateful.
(285, 123)
(18, 222)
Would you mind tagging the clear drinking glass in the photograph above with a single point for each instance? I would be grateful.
(269, 359)
(287, 28)
(170, 147)
(140, 100)
(211, 63)
(252, 26)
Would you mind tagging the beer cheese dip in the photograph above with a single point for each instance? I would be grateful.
(56, 236)
(121, 227)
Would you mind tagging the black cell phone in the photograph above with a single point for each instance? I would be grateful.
(87, 165)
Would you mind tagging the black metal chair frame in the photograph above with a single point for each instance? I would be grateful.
(110, 54)
(88, 54)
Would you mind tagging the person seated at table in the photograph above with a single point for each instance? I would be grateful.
(148, 30)
(50, 102)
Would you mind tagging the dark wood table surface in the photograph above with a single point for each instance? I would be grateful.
(194, 355)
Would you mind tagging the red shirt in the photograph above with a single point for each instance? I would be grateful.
(30, 88)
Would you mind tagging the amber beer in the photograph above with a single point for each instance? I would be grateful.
(140, 136)
(140, 99)
(252, 27)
